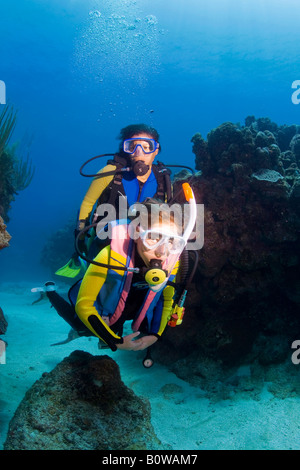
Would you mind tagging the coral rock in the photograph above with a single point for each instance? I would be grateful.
(3, 323)
(247, 279)
(82, 404)
(4, 236)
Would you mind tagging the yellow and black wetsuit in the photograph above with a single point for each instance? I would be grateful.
(95, 190)
(91, 285)
(157, 185)
(101, 294)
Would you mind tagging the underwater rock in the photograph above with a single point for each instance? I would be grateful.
(245, 283)
(3, 323)
(259, 144)
(226, 145)
(4, 235)
(284, 136)
(267, 175)
(203, 159)
(270, 183)
(295, 146)
(264, 139)
(272, 350)
(82, 404)
(296, 190)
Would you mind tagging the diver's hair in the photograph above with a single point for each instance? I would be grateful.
(159, 212)
(134, 129)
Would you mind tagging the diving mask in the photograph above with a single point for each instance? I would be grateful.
(152, 239)
(147, 145)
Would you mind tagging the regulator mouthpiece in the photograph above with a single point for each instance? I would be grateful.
(140, 168)
(155, 274)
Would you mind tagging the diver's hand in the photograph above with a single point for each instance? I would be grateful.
(128, 342)
(131, 344)
(145, 342)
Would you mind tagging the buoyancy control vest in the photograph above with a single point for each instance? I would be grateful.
(158, 185)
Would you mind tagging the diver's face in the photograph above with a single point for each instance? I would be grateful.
(138, 155)
(161, 252)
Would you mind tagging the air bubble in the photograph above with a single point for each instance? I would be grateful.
(94, 14)
(151, 20)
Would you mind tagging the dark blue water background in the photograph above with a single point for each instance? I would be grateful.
(78, 71)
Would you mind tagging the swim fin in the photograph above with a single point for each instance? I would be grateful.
(71, 336)
(72, 268)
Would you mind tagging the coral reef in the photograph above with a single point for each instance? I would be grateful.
(4, 239)
(4, 235)
(82, 404)
(16, 172)
(246, 288)
(3, 323)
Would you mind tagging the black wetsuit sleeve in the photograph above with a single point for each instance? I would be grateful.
(103, 333)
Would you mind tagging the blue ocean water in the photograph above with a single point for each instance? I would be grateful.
(78, 71)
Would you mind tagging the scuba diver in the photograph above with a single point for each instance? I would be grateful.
(132, 278)
(131, 175)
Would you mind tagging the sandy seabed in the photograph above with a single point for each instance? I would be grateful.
(183, 416)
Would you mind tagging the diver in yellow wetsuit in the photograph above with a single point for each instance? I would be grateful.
(132, 278)
(109, 295)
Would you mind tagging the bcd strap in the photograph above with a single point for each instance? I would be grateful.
(119, 162)
(162, 175)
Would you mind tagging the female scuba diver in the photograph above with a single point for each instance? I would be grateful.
(132, 278)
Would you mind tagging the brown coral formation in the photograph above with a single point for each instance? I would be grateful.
(3, 322)
(4, 235)
(82, 404)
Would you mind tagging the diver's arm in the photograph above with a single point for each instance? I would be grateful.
(161, 315)
(90, 287)
(95, 190)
